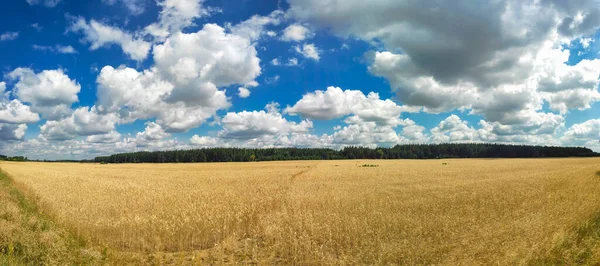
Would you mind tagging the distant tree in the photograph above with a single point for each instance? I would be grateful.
(380, 154)
(409, 151)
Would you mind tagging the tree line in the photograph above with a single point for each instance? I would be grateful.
(13, 159)
(409, 151)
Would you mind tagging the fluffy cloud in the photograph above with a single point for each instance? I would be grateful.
(254, 27)
(110, 137)
(15, 112)
(176, 15)
(503, 65)
(309, 51)
(249, 125)
(153, 134)
(336, 103)
(453, 129)
(209, 55)
(296, 32)
(99, 35)
(12, 131)
(83, 121)
(50, 92)
(243, 92)
(204, 141)
(586, 133)
(181, 90)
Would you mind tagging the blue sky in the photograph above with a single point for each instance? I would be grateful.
(89, 78)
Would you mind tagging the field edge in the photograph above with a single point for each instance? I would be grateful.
(29, 236)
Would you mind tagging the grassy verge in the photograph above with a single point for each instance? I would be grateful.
(578, 247)
(28, 237)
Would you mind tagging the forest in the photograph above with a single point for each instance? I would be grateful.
(13, 159)
(409, 151)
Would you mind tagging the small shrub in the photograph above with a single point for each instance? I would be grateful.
(370, 165)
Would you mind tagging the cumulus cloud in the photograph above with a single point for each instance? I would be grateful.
(337, 103)
(504, 65)
(152, 132)
(204, 141)
(99, 35)
(586, 133)
(12, 131)
(182, 89)
(176, 15)
(243, 92)
(84, 121)
(309, 51)
(453, 129)
(296, 33)
(249, 125)
(209, 55)
(50, 92)
(110, 137)
(15, 112)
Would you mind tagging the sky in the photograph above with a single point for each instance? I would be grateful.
(82, 79)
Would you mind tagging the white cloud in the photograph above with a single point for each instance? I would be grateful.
(586, 42)
(254, 27)
(152, 132)
(255, 124)
(46, 3)
(100, 35)
(586, 134)
(204, 141)
(209, 55)
(15, 112)
(56, 49)
(504, 65)
(453, 129)
(308, 51)
(134, 95)
(176, 15)
(181, 91)
(50, 92)
(296, 33)
(12, 131)
(9, 36)
(84, 121)
(337, 103)
(110, 137)
(136, 7)
(37, 27)
(243, 92)
(292, 62)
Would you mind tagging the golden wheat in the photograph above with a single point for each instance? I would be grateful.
(323, 212)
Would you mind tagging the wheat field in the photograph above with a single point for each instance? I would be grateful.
(505, 211)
